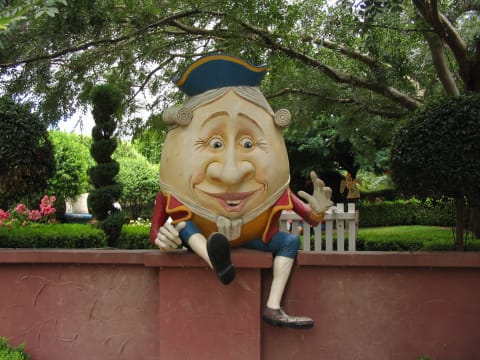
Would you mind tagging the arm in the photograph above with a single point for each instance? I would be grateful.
(318, 202)
(162, 234)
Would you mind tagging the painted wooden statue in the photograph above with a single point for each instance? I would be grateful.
(224, 176)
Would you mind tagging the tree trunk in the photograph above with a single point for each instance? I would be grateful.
(459, 227)
(475, 222)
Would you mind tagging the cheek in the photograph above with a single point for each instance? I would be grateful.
(198, 163)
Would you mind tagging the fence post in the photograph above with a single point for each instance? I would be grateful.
(352, 227)
(340, 225)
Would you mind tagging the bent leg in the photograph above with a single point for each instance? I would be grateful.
(215, 251)
(192, 238)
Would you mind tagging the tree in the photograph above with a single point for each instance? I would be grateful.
(106, 100)
(433, 156)
(368, 57)
(26, 153)
(364, 61)
(140, 185)
(12, 12)
(72, 160)
(139, 179)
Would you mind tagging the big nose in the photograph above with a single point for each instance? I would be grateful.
(230, 170)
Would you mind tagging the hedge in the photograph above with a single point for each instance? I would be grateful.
(8, 352)
(71, 236)
(406, 212)
(135, 237)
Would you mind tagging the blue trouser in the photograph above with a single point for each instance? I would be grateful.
(281, 244)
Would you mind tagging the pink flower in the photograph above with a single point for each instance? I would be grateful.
(47, 210)
(5, 215)
(34, 215)
(21, 209)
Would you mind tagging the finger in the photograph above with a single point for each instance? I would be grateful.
(328, 192)
(305, 196)
(171, 230)
(170, 242)
(319, 184)
(163, 247)
(180, 226)
(313, 176)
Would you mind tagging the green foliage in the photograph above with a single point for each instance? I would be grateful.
(104, 173)
(71, 161)
(26, 153)
(149, 143)
(406, 238)
(101, 203)
(74, 236)
(106, 100)
(53, 236)
(330, 56)
(103, 149)
(402, 212)
(140, 185)
(8, 352)
(436, 153)
(112, 227)
(135, 237)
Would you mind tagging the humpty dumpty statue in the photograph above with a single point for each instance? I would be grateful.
(224, 176)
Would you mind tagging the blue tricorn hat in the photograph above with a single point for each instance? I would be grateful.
(218, 70)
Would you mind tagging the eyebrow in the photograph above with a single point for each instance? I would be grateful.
(246, 116)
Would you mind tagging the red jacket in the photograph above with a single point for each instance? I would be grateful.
(167, 205)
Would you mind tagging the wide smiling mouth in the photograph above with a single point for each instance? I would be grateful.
(231, 201)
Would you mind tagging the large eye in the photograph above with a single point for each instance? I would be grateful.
(215, 143)
(246, 143)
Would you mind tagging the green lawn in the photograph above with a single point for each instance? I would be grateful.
(411, 238)
(418, 232)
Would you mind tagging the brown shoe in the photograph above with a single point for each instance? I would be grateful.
(278, 317)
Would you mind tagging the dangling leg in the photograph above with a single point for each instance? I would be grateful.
(215, 251)
(285, 247)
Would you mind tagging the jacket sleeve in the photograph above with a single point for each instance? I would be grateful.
(305, 211)
(159, 216)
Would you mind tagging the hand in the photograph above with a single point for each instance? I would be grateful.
(319, 201)
(168, 237)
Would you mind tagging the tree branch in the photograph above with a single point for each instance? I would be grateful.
(369, 109)
(445, 31)
(101, 42)
(268, 40)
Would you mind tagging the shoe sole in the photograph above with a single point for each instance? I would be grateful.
(287, 325)
(218, 248)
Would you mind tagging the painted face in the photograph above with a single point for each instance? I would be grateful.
(229, 159)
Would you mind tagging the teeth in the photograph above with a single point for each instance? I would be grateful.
(233, 202)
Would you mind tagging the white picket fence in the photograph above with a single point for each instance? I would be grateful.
(336, 221)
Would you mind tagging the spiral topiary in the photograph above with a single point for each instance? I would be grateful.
(106, 100)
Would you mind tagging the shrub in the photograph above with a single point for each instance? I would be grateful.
(135, 237)
(26, 153)
(71, 161)
(53, 236)
(406, 212)
(106, 100)
(140, 185)
(10, 353)
(436, 153)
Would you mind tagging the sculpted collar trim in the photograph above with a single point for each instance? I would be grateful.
(231, 227)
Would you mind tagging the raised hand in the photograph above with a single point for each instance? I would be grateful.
(319, 201)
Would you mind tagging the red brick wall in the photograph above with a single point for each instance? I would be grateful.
(107, 304)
